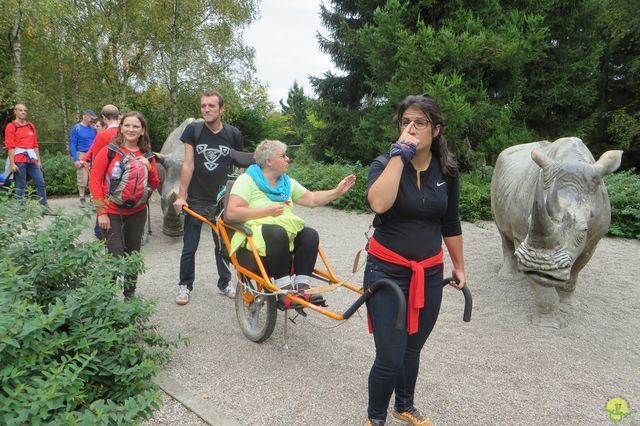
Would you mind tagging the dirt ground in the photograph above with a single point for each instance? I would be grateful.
(498, 369)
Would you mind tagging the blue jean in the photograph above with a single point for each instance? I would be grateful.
(34, 171)
(397, 361)
(191, 239)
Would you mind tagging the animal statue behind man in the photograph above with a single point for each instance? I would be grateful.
(170, 162)
(551, 212)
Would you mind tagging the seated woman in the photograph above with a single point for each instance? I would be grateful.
(262, 199)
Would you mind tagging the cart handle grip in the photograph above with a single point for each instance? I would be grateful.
(468, 301)
(400, 300)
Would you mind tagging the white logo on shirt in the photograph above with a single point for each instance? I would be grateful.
(440, 183)
(211, 155)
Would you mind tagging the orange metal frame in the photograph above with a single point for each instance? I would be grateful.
(262, 279)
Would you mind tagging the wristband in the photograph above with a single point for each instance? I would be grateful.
(406, 151)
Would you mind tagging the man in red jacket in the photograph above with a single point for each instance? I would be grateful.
(21, 140)
(111, 114)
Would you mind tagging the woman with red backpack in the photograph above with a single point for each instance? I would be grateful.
(123, 176)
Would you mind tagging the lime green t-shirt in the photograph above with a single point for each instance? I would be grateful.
(246, 188)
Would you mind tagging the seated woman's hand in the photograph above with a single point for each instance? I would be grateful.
(346, 184)
(275, 210)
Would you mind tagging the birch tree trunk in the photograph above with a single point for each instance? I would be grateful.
(16, 50)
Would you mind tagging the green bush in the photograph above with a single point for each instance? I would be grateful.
(71, 352)
(624, 194)
(59, 174)
(475, 195)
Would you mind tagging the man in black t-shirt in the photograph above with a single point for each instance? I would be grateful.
(207, 162)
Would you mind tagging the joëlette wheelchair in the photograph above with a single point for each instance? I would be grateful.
(256, 299)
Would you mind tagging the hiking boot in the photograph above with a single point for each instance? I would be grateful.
(228, 291)
(411, 417)
(183, 295)
(83, 200)
(374, 422)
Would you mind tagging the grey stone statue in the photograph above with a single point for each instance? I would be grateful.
(170, 161)
(551, 212)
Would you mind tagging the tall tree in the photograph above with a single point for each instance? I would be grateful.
(296, 112)
(199, 44)
(617, 115)
(470, 56)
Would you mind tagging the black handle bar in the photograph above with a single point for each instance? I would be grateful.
(468, 301)
(384, 282)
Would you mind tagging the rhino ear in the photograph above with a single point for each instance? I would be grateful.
(608, 162)
(540, 158)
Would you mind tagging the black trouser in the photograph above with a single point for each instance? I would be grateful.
(397, 353)
(125, 237)
(277, 261)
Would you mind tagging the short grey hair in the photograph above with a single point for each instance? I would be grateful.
(266, 150)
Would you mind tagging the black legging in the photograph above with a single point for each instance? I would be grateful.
(397, 354)
(277, 261)
(125, 237)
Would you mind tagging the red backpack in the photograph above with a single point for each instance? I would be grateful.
(129, 180)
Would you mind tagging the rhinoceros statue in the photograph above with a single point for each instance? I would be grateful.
(551, 212)
(170, 158)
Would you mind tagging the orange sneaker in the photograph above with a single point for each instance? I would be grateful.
(411, 417)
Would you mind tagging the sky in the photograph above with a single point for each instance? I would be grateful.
(284, 37)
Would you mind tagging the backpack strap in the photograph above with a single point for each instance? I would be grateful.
(112, 148)
(197, 130)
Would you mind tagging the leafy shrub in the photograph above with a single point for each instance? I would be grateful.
(624, 194)
(71, 351)
(59, 174)
(475, 195)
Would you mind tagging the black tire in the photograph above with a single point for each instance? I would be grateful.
(257, 319)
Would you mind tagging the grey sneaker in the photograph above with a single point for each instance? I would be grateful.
(229, 291)
(183, 295)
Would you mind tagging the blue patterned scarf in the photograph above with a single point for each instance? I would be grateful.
(280, 192)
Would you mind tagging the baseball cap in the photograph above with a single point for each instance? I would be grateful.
(90, 113)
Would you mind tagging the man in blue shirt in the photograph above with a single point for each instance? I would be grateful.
(80, 141)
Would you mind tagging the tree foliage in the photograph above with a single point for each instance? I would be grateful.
(79, 54)
(504, 72)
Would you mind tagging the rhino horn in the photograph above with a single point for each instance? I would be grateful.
(541, 230)
(553, 201)
(540, 158)
(608, 162)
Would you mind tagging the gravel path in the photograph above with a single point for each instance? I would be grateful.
(496, 370)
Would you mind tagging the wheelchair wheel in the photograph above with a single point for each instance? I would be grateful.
(256, 313)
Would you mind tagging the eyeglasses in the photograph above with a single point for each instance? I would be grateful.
(420, 123)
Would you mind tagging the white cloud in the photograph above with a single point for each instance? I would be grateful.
(286, 47)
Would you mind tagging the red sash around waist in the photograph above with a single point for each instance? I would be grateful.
(416, 285)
